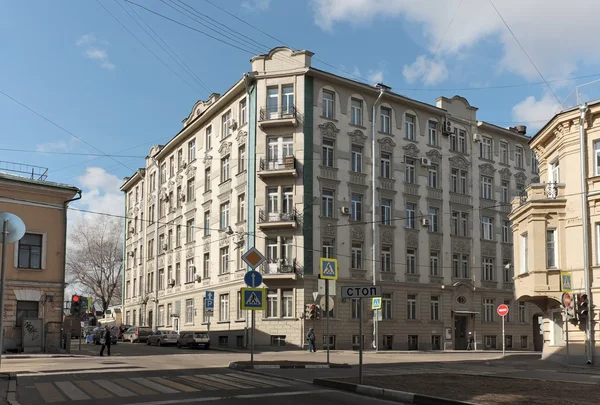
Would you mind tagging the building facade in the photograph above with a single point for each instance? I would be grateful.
(283, 162)
(35, 266)
(548, 223)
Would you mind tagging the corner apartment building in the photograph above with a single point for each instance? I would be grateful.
(548, 223)
(282, 161)
(35, 265)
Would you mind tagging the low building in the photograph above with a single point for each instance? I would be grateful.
(35, 266)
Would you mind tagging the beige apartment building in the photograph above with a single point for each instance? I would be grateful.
(283, 161)
(35, 266)
(548, 226)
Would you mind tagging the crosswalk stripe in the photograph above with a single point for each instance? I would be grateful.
(71, 390)
(49, 393)
(235, 384)
(219, 385)
(272, 381)
(114, 388)
(137, 388)
(198, 382)
(173, 384)
(93, 389)
(234, 379)
(155, 386)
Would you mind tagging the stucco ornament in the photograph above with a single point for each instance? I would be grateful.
(329, 130)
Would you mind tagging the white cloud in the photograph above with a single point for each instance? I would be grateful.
(57, 146)
(431, 72)
(95, 50)
(533, 112)
(477, 21)
(101, 193)
(375, 76)
(257, 5)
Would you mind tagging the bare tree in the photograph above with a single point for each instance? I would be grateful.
(95, 258)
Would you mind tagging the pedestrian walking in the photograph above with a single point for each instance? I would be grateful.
(310, 336)
(471, 344)
(106, 343)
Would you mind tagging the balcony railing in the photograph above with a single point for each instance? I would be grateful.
(279, 266)
(268, 217)
(284, 111)
(284, 163)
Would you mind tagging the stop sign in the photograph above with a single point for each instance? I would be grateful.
(502, 310)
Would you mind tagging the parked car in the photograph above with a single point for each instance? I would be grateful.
(98, 333)
(193, 339)
(137, 334)
(121, 331)
(162, 338)
(86, 329)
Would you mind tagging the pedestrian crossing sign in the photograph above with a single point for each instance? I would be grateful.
(328, 268)
(253, 299)
(376, 304)
(566, 281)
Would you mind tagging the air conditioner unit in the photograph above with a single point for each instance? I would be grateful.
(182, 197)
(476, 138)
(425, 162)
(345, 210)
(425, 221)
(165, 246)
(233, 124)
(448, 128)
(171, 282)
(198, 279)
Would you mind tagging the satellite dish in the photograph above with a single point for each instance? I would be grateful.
(16, 227)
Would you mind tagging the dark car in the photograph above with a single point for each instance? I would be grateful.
(98, 334)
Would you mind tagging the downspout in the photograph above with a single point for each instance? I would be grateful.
(125, 230)
(64, 284)
(156, 209)
(374, 208)
(585, 219)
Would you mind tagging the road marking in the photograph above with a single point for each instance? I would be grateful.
(49, 393)
(173, 384)
(114, 388)
(72, 391)
(272, 380)
(281, 394)
(198, 382)
(217, 379)
(93, 389)
(137, 388)
(154, 386)
(196, 400)
(256, 384)
(218, 384)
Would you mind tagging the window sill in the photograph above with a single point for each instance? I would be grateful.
(239, 320)
(239, 173)
(357, 126)
(385, 133)
(410, 140)
(434, 146)
(332, 218)
(189, 282)
(29, 269)
(225, 181)
(486, 160)
(329, 118)
(223, 322)
(205, 237)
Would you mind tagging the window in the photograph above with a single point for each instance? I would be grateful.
(224, 263)
(523, 342)
(356, 255)
(460, 223)
(433, 133)
(240, 312)
(328, 104)
(225, 175)
(26, 309)
(161, 279)
(503, 152)
(178, 236)
(487, 228)
(272, 304)
(206, 223)
(520, 188)
(128, 289)
(223, 307)
(224, 215)
(535, 164)
(171, 166)
(327, 203)
(454, 141)
(434, 215)
(356, 164)
(488, 310)
(519, 157)
(458, 181)
(191, 150)
(241, 216)
(355, 307)
(508, 316)
(486, 187)
(504, 191)
(191, 190)
(356, 211)
(411, 307)
(356, 112)
(524, 253)
(208, 138)
(554, 172)
(273, 102)
(180, 159)
(328, 248)
(287, 99)
(169, 274)
(460, 266)
(190, 231)
(522, 314)
(151, 249)
(411, 261)
(409, 170)
(508, 339)
(597, 227)
(488, 269)
(386, 120)
(226, 125)
(386, 211)
(30, 251)
(551, 250)
(434, 263)
(327, 155)
(287, 304)
(410, 215)
(161, 316)
(432, 179)
(410, 127)
(386, 306)
(189, 311)
(505, 231)
(163, 173)
(207, 184)
(386, 165)
(485, 148)
(413, 342)
(507, 271)
(177, 274)
(243, 112)
(206, 264)
(190, 271)
(242, 159)
(152, 182)
(386, 259)
(435, 307)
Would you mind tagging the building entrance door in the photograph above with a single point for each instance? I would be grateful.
(460, 332)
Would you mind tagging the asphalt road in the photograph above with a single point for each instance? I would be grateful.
(127, 349)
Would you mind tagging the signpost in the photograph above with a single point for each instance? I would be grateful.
(328, 270)
(567, 302)
(503, 311)
(209, 306)
(360, 293)
(253, 298)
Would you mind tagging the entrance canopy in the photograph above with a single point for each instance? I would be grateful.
(464, 312)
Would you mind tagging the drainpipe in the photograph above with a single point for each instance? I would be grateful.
(125, 230)
(585, 219)
(64, 284)
(382, 89)
(156, 209)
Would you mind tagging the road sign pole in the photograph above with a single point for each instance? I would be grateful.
(327, 317)
(252, 340)
(360, 340)
(567, 331)
(503, 339)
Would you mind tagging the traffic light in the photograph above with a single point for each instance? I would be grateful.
(312, 311)
(75, 304)
(318, 312)
(582, 305)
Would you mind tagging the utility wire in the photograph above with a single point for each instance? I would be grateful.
(68, 153)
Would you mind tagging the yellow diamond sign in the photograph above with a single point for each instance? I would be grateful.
(253, 258)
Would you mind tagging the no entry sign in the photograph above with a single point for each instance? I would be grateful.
(502, 310)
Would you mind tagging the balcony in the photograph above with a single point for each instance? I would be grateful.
(282, 167)
(278, 116)
(279, 269)
(277, 220)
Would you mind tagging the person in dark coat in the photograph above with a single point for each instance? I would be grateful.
(310, 336)
(107, 342)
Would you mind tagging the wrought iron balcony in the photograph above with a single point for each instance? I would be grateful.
(278, 219)
(274, 167)
(285, 114)
(279, 267)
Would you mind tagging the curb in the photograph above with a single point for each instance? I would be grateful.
(391, 395)
(54, 356)
(11, 394)
(241, 366)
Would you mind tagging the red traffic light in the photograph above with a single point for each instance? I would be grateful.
(312, 307)
(75, 298)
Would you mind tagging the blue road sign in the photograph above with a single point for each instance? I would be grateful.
(253, 279)
(328, 268)
(210, 300)
(254, 299)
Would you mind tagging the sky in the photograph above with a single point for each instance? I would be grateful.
(108, 77)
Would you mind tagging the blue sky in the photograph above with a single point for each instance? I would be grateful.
(75, 64)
